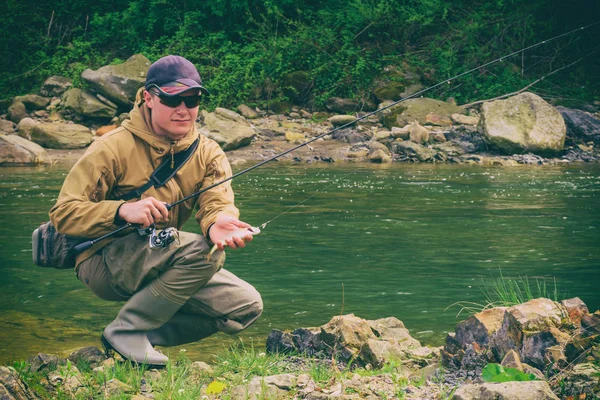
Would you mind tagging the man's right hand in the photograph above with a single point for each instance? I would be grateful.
(144, 212)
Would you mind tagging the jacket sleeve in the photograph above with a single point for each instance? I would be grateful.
(220, 198)
(82, 209)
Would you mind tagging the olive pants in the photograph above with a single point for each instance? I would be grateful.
(224, 302)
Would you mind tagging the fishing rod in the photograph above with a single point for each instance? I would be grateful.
(87, 244)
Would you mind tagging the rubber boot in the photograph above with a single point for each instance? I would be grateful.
(143, 312)
(181, 329)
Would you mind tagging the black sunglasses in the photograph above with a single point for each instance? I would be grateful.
(175, 100)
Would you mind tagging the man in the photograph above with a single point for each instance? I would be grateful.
(174, 295)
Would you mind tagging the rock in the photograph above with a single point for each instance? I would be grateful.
(33, 101)
(55, 86)
(416, 109)
(437, 120)
(396, 83)
(449, 148)
(90, 355)
(259, 388)
(247, 112)
(417, 133)
(345, 106)
(105, 129)
(438, 137)
(228, 133)
(15, 150)
(225, 113)
(464, 119)
(402, 133)
(523, 123)
(340, 120)
(414, 151)
(532, 390)
(66, 377)
(576, 309)
(294, 137)
(55, 135)
(7, 126)
(201, 368)
(382, 134)
(119, 83)
(17, 112)
(305, 114)
(87, 105)
(581, 382)
(294, 115)
(581, 125)
(12, 387)
(346, 335)
(478, 329)
(512, 360)
(380, 156)
(350, 135)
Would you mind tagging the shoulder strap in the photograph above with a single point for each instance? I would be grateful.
(163, 173)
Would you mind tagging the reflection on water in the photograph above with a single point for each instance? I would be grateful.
(376, 241)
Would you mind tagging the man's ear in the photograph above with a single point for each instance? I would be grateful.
(148, 99)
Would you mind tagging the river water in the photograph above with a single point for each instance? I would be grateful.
(375, 240)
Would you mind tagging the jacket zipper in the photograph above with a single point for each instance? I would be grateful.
(172, 151)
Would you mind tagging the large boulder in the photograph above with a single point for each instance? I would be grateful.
(55, 86)
(87, 105)
(20, 151)
(119, 83)
(420, 110)
(55, 135)
(12, 387)
(33, 101)
(17, 111)
(229, 131)
(7, 126)
(523, 123)
(581, 125)
(532, 390)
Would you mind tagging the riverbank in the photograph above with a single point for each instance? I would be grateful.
(540, 349)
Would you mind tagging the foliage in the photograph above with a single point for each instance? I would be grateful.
(497, 373)
(244, 48)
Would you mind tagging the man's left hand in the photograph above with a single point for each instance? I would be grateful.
(228, 231)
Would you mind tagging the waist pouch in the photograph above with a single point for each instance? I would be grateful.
(52, 249)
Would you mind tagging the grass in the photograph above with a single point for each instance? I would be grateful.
(508, 292)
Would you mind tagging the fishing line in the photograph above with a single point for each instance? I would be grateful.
(88, 244)
(445, 81)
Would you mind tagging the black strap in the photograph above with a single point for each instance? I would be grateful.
(163, 173)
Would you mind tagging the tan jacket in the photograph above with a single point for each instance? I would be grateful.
(123, 160)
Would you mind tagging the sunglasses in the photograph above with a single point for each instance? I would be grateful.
(175, 101)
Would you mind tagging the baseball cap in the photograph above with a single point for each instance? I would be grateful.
(174, 71)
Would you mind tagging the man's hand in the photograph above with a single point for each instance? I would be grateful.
(144, 212)
(229, 231)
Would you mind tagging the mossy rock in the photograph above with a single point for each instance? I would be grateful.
(297, 86)
(416, 110)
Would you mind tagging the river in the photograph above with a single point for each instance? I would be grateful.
(403, 240)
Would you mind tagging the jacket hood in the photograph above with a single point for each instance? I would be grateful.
(139, 123)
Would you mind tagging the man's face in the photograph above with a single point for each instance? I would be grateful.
(173, 123)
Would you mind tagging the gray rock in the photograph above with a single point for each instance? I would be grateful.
(7, 126)
(581, 380)
(533, 390)
(15, 150)
(228, 133)
(380, 156)
(581, 125)
(339, 120)
(12, 387)
(247, 112)
(350, 135)
(523, 123)
(224, 113)
(55, 135)
(345, 106)
(55, 86)
(119, 83)
(258, 388)
(17, 111)
(464, 119)
(33, 101)
(87, 105)
(416, 110)
(414, 151)
(91, 355)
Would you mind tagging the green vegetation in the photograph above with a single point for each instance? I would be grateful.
(498, 373)
(246, 49)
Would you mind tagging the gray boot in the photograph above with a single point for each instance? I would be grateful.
(143, 312)
(181, 329)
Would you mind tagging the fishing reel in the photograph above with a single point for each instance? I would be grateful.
(160, 239)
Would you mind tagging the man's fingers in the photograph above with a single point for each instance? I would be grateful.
(162, 209)
(241, 224)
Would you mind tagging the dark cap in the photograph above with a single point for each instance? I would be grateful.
(174, 71)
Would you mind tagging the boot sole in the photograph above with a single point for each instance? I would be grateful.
(109, 350)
